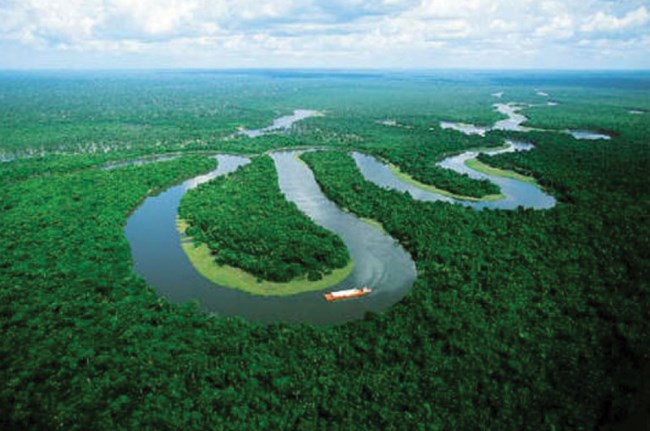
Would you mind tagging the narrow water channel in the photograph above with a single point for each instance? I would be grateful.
(587, 134)
(514, 123)
(139, 162)
(517, 193)
(281, 123)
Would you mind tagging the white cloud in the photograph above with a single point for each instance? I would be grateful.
(604, 22)
(560, 27)
(503, 26)
(74, 19)
(153, 17)
(454, 8)
(380, 33)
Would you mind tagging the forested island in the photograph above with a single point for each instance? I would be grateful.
(246, 223)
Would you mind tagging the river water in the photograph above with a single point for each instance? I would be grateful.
(517, 193)
(380, 261)
(514, 123)
(138, 162)
(281, 123)
(587, 134)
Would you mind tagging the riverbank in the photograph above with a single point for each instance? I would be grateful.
(236, 278)
(248, 223)
(479, 166)
(410, 180)
(374, 223)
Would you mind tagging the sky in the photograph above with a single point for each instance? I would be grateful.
(367, 34)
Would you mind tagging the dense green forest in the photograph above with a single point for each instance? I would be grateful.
(247, 223)
(518, 319)
(414, 149)
(552, 301)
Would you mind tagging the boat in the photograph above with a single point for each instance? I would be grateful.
(345, 294)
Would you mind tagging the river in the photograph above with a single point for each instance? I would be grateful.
(514, 123)
(380, 262)
(517, 193)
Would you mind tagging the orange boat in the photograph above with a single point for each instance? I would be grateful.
(345, 294)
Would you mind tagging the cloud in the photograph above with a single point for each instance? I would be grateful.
(346, 33)
(604, 22)
(150, 17)
(454, 8)
(51, 20)
(500, 25)
(560, 27)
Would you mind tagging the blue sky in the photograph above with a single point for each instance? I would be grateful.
(570, 34)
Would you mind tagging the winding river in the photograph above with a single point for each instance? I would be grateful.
(380, 261)
(517, 193)
(281, 123)
(514, 123)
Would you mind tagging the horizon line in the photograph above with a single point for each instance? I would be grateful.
(317, 69)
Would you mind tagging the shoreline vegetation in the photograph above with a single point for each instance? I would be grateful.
(255, 240)
(229, 276)
(409, 179)
(484, 168)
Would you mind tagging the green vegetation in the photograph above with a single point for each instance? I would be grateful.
(225, 275)
(518, 319)
(417, 166)
(407, 178)
(174, 111)
(479, 166)
(529, 297)
(246, 222)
